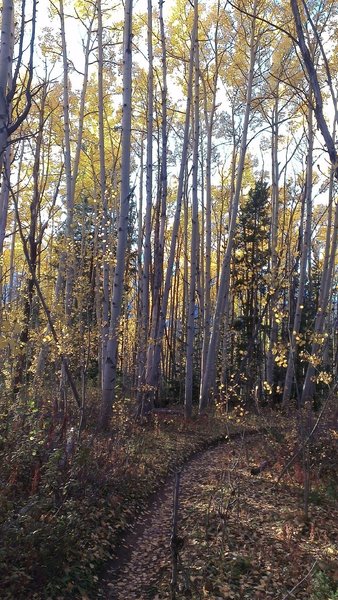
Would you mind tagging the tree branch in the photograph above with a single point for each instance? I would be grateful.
(318, 109)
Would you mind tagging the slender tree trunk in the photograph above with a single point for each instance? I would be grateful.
(206, 255)
(274, 239)
(153, 377)
(194, 231)
(6, 59)
(33, 243)
(4, 195)
(103, 198)
(208, 381)
(43, 354)
(159, 240)
(138, 332)
(8, 80)
(306, 242)
(109, 373)
(67, 256)
(144, 325)
(326, 282)
(318, 108)
(318, 348)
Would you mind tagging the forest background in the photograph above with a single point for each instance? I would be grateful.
(168, 224)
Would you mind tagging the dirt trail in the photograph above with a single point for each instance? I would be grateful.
(145, 553)
(244, 536)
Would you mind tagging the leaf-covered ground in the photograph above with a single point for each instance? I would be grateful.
(62, 509)
(244, 535)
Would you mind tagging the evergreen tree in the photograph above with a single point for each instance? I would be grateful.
(249, 270)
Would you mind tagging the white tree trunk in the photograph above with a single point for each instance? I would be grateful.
(6, 61)
(209, 123)
(209, 375)
(67, 254)
(306, 243)
(326, 282)
(274, 238)
(109, 373)
(194, 231)
(145, 288)
(151, 382)
(154, 350)
(103, 198)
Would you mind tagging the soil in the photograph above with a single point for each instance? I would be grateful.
(243, 536)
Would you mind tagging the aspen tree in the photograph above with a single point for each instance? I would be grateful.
(33, 242)
(102, 179)
(326, 282)
(145, 287)
(8, 89)
(6, 63)
(14, 226)
(155, 351)
(274, 234)
(161, 212)
(67, 256)
(319, 334)
(109, 368)
(194, 228)
(306, 242)
(209, 373)
(210, 83)
(72, 181)
(138, 331)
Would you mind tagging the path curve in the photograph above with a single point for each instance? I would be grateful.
(145, 550)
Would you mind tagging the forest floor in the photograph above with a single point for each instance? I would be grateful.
(65, 498)
(66, 502)
(243, 535)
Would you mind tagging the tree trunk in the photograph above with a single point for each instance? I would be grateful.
(144, 324)
(326, 282)
(103, 198)
(274, 240)
(208, 381)
(6, 60)
(159, 239)
(109, 368)
(209, 123)
(306, 242)
(154, 364)
(194, 231)
(67, 258)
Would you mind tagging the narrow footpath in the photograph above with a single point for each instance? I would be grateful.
(242, 537)
(145, 557)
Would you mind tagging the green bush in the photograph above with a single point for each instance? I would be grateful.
(323, 587)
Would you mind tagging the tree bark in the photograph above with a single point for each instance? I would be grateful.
(194, 231)
(109, 372)
(306, 242)
(103, 198)
(270, 363)
(155, 350)
(67, 255)
(326, 282)
(145, 289)
(208, 381)
(6, 61)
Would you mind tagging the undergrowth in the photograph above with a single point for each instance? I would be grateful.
(323, 587)
(64, 500)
